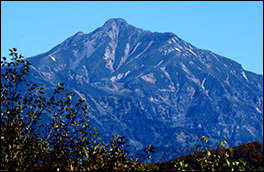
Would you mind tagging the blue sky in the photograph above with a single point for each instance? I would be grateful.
(231, 29)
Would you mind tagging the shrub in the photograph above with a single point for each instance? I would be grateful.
(216, 159)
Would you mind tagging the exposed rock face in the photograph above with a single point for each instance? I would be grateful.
(154, 87)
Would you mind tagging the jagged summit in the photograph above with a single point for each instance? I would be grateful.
(118, 22)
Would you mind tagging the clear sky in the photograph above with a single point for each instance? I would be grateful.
(231, 29)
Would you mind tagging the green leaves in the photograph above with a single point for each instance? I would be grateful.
(60, 84)
(84, 107)
(27, 63)
(81, 100)
(223, 143)
(12, 49)
(204, 138)
(215, 160)
(197, 147)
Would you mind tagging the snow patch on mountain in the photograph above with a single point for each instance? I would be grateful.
(124, 58)
(115, 78)
(244, 75)
(195, 80)
(166, 73)
(127, 73)
(258, 110)
(81, 95)
(109, 55)
(203, 83)
(53, 58)
(215, 57)
(144, 49)
(191, 52)
(135, 48)
(184, 68)
(119, 76)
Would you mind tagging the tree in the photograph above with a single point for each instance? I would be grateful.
(69, 143)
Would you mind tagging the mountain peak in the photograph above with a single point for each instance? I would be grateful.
(155, 87)
(116, 22)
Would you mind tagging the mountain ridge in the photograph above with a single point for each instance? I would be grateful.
(154, 87)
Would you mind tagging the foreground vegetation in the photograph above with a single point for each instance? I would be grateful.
(69, 143)
(249, 156)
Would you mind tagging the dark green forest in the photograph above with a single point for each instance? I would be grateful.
(68, 142)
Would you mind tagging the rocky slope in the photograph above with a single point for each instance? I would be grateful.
(154, 87)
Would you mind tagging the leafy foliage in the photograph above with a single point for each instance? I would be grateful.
(71, 144)
(247, 157)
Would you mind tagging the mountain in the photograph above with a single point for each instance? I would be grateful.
(155, 88)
